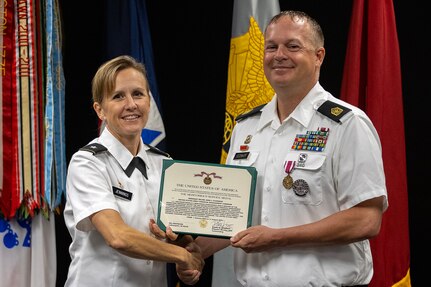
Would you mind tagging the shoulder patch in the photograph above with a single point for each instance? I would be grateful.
(94, 148)
(254, 111)
(333, 110)
(156, 150)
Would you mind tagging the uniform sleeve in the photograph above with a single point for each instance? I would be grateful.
(89, 188)
(358, 168)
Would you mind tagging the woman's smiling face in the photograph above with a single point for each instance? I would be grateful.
(126, 109)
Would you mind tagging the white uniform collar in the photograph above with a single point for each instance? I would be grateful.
(303, 113)
(119, 151)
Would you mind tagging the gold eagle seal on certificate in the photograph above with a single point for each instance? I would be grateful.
(208, 180)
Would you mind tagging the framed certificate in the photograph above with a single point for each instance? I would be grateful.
(206, 199)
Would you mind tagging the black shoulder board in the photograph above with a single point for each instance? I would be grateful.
(156, 150)
(250, 113)
(94, 148)
(333, 110)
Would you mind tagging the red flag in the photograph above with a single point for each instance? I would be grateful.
(372, 81)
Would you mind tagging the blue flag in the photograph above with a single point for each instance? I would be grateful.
(128, 33)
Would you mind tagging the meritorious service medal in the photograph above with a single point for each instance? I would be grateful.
(288, 168)
(288, 182)
(300, 187)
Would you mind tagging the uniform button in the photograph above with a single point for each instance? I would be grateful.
(266, 277)
(265, 218)
(268, 188)
(148, 262)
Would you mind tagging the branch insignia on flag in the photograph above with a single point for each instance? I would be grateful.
(247, 85)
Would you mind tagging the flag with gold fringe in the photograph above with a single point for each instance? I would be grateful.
(372, 81)
(32, 146)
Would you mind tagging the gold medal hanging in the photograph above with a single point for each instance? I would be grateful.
(288, 182)
(288, 168)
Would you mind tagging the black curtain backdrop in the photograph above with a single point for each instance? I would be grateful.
(191, 42)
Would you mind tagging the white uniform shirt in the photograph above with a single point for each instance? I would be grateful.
(348, 171)
(90, 183)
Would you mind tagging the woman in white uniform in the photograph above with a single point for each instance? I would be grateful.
(112, 191)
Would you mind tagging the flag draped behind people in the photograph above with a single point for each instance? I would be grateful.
(247, 88)
(32, 147)
(372, 81)
(128, 32)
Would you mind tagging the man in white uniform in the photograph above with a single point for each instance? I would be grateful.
(321, 190)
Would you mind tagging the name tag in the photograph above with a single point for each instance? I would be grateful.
(241, 155)
(122, 193)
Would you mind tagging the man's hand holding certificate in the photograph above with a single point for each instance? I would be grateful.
(206, 199)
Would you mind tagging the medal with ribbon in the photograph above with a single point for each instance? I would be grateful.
(288, 168)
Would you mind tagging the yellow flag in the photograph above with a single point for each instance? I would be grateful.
(247, 86)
